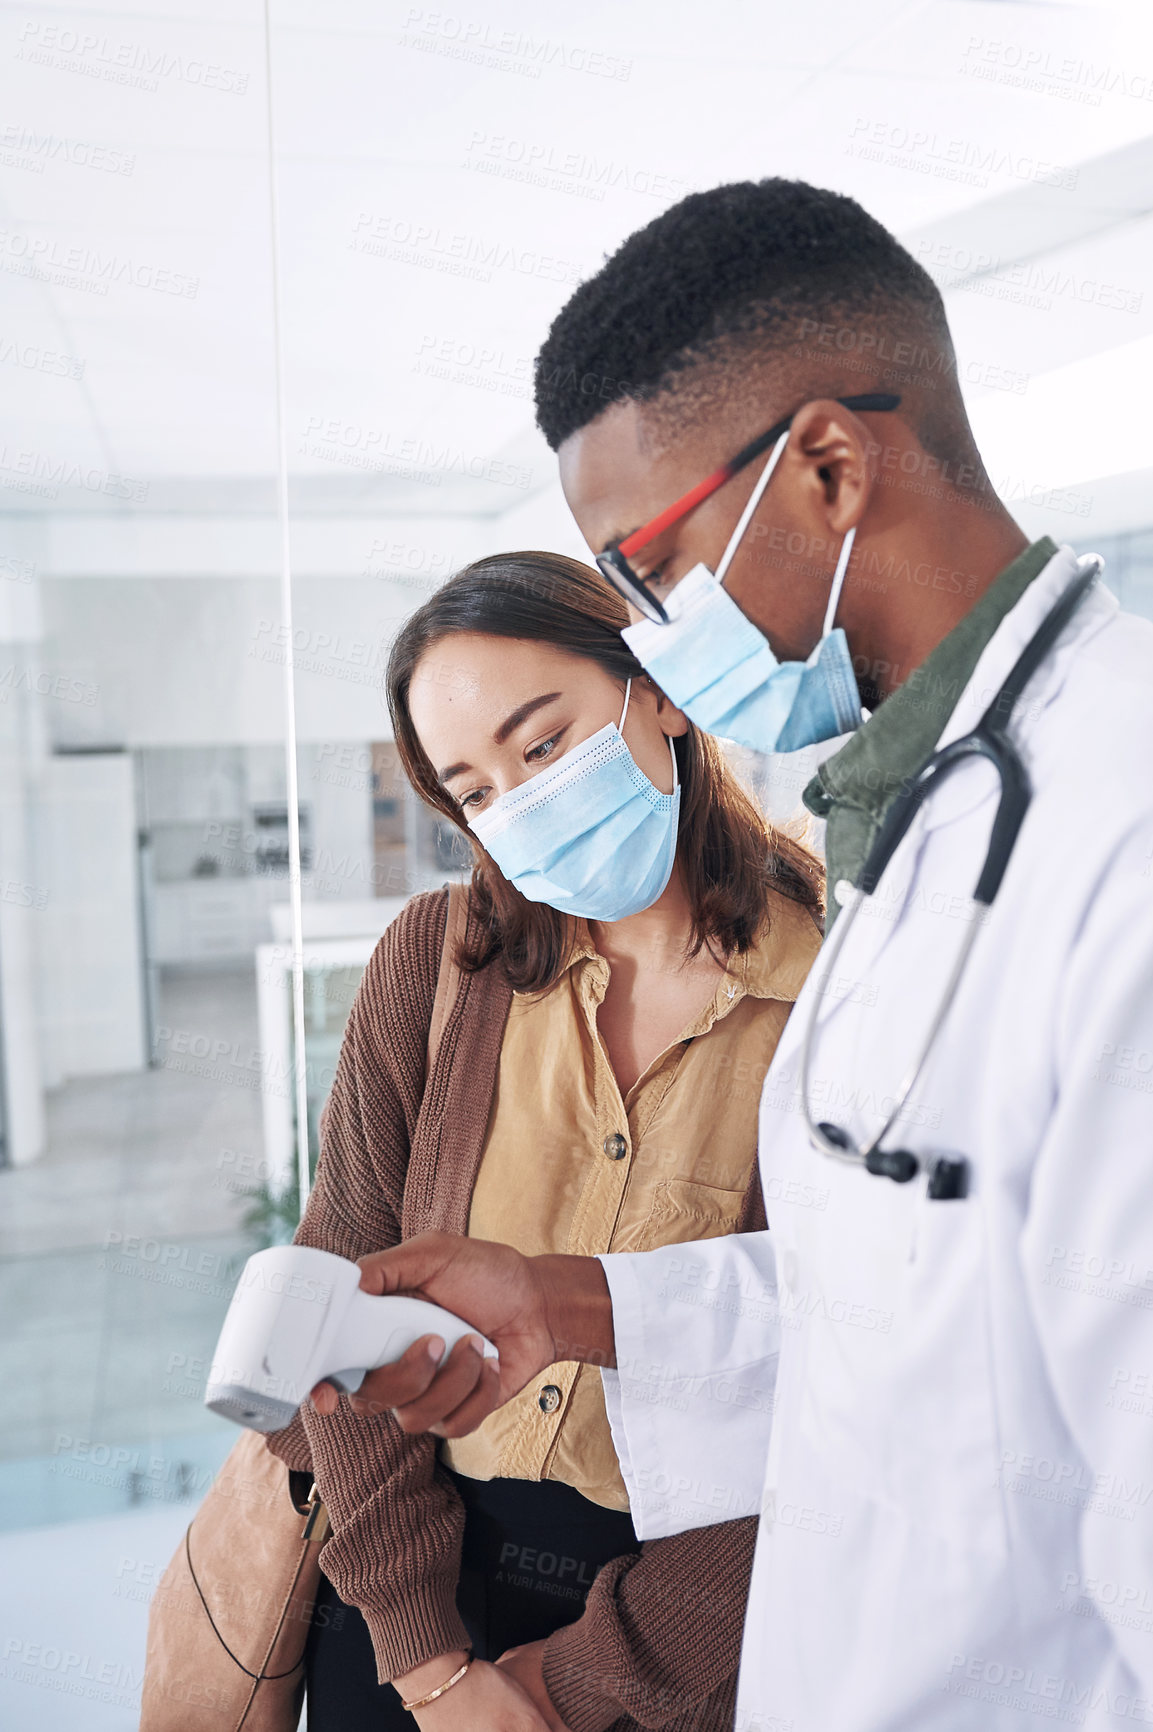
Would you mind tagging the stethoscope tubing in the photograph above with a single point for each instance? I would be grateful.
(988, 740)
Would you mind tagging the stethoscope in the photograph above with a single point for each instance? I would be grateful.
(948, 1177)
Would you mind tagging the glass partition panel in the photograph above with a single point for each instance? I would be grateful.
(142, 806)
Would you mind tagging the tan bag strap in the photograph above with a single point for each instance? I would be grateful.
(449, 978)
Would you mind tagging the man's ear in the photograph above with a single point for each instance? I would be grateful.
(832, 447)
(673, 722)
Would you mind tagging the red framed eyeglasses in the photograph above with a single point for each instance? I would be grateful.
(614, 561)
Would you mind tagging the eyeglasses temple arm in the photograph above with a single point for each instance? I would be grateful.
(869, 400)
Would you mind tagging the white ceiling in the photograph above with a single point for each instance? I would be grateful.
(444, 179)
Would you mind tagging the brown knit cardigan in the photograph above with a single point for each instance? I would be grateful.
(659, 1639)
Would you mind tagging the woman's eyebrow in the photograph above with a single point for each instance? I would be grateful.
(508, 726)
(522, 714)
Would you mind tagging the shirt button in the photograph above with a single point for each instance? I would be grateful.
(549, 1398)
(615, 1147)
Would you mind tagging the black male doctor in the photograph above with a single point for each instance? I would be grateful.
(933, 1376)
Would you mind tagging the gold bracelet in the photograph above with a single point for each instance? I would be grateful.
(423, 1701)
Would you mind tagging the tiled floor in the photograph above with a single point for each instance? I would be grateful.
(74, 1612)
(74, 1616)
(118, 1253)
(144, 1152)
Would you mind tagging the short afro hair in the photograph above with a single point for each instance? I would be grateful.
(739, 266)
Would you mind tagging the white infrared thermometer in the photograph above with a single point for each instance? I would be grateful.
(300, 1316)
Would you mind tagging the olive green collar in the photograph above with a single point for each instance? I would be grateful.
(900, 734)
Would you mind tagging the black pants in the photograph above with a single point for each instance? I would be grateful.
(531, 1551)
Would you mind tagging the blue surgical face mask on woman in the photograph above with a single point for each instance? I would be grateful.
(590, 835)
(714, 664)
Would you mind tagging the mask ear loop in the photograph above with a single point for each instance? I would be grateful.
(668, 737)
(838, 581)
(754, 500)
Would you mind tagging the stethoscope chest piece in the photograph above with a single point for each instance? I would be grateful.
(948, 1178)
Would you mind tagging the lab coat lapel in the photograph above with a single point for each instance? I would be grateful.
(973, 786)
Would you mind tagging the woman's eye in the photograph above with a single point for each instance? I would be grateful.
(537, 754)
(658, 576)
(469, 802)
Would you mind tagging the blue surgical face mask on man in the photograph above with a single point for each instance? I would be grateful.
(589, 835)
(714, 664)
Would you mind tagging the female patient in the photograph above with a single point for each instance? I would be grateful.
(635, 937)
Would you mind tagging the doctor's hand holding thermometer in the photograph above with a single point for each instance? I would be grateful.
(536, 1311)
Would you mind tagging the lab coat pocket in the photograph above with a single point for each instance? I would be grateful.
(896, 1386)
(684, 1210)
(945, 1444)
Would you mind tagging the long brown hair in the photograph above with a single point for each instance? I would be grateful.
(729, 855)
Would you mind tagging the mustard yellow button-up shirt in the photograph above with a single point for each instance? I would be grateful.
(571, 1165)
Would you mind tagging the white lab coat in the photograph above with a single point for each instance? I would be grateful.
(955, 1470)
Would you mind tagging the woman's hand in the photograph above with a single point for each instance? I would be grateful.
(487, 1699)
(526, 1665)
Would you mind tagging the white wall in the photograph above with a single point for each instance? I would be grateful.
(89, 961)
(200, 661)
(336, 782)
(23, 895)
(22, 911)
(147, 650)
